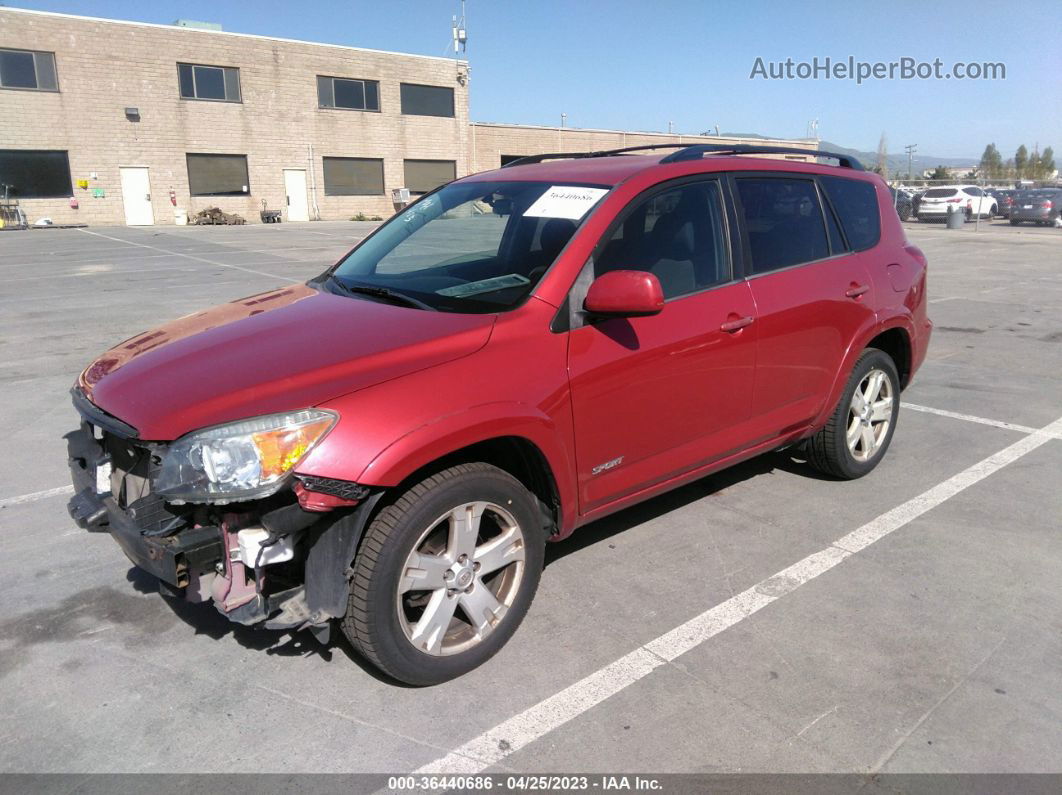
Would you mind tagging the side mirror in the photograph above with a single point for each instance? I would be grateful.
(624, 294)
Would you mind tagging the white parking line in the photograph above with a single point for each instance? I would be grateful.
(969, 418)
(494, 745)
(37, 495)
(191, 257)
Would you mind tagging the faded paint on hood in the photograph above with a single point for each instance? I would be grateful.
(278, 351)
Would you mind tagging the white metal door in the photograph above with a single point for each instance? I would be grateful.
(136, 195)
(295, 190)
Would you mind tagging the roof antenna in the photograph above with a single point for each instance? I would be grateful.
(460, 34)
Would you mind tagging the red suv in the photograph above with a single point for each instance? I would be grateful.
(390, 446)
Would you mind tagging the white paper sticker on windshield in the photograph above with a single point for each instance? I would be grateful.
(562, 202)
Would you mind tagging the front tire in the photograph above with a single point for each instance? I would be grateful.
(858, 433)
(445, 574)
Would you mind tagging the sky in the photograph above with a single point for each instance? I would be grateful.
(621, 64)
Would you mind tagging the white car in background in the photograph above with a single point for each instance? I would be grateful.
(970, 199)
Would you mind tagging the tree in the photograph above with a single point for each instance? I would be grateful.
(991, 162)
(1047, 162)
(939, 173)
(1021, 158)
(1032, 167)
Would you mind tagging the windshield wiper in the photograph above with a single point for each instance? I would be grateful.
(386, 293)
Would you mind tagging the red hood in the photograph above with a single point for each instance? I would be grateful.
(281, 350)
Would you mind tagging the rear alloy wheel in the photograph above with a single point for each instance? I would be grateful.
(860, 429)
(445, 574)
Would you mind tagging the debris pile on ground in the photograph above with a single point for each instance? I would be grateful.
(215, 215)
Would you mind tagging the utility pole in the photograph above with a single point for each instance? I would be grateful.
(911, 149)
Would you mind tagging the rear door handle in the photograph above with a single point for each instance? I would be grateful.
(736, 325)
(857, 290)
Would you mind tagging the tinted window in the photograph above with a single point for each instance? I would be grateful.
(427, 100)
(340, 92)
(676, 235)
(34, 174)
(856, 204)
(422, 176)
(973, 191)
(353, 176)
(27, 69)
(784, 222)
(218, 175)
(219, 83)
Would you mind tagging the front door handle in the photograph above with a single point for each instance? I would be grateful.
(736, 325)
(857, 290)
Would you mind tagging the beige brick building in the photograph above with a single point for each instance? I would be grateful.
(145, 124)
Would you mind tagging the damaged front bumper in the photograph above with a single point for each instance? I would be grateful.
(279, 563)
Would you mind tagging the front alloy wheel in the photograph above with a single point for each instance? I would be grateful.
(456, 588)
(445, 574)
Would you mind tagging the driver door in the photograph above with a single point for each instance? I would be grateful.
(654, 397)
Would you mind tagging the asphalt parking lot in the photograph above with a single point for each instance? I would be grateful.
(763, 619)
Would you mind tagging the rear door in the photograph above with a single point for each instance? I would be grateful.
(654, 397)
(812, 292)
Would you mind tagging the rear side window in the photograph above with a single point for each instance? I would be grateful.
(784, 222)
(856, 204)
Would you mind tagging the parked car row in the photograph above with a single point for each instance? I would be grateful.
(1039, 206)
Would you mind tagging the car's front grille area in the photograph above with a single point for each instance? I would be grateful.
(134, 467)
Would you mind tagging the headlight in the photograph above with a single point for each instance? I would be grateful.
(242, 460)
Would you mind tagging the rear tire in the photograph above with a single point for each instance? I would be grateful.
(445, 574)
(858, 433)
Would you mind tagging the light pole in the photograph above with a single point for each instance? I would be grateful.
(911, 149)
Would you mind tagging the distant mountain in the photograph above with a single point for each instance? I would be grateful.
(897, 162)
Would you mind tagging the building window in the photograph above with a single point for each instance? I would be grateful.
(339, 92)
(217, 83)
(218, 175)
(427, 100)
(34, 174)
(353, 176)
(426, 175)
(28, 70)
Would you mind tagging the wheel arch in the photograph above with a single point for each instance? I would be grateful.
(894, 333)
(518, 440)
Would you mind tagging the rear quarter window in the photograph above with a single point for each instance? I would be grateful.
(856, 203)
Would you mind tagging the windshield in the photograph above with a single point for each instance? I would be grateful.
(469, 247)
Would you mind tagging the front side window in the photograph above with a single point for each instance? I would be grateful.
(217, 83)
(353, 176)
(347, 94)
(677, 235)
(34, 174)
(423, 176)
(784, 222)
(469, 247)
(217, 175)
(27, 69)
(856, 203)
(418, 100)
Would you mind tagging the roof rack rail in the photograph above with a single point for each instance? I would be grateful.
(695, 152)
(530, 159)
